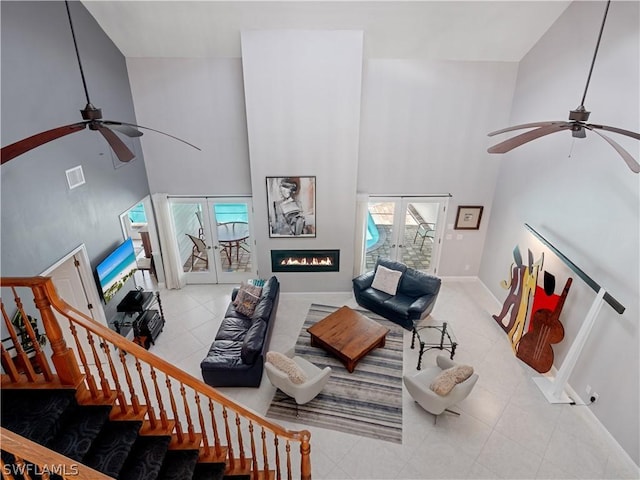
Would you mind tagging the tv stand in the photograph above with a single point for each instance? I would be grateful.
(136, 313)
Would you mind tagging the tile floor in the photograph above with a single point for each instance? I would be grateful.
(507, 429)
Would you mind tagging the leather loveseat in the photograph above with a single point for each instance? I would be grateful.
(414, 299)
(236, 357)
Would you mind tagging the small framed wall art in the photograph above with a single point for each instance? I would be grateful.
(291, 205)
(468, 217)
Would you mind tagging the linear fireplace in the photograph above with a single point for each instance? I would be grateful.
(305, 260)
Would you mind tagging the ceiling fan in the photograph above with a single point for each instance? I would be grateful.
(577, 123)
(92, 118)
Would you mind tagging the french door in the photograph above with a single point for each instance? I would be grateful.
(214, 238)
(405, 229)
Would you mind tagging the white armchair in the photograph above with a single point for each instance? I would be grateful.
(304, 392)
(418, 387)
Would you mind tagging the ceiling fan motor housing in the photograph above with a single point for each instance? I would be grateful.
(91, 113)
(579, 114)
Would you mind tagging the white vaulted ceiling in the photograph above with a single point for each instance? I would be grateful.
(443, 30)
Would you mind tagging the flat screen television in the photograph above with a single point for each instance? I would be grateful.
(113, 272)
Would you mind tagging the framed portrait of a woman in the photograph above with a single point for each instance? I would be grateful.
(291, 206)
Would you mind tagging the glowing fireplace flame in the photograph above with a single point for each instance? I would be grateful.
(315, 261)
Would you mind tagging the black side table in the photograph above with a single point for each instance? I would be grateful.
(447, 340)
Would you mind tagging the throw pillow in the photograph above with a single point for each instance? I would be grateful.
(386, 280)
(255, 290)
(247, 298)
(449, 378)
(288, 366)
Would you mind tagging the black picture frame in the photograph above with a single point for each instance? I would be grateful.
(468, 217)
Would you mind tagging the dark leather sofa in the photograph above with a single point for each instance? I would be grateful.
(236, 357)
(414, 300)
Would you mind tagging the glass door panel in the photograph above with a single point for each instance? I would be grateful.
(193, 247)
(234, 245)
(381, 237)
(419, 233)
(405, 229)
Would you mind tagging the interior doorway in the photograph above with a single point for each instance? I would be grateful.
(73, 278)
(405, 229)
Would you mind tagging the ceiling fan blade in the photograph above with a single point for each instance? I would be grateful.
(123, 128)
(523, 138)
(628, 133)
(626, 156)
(22, 146)
(119, 148)
(520, 127)
(157, 131)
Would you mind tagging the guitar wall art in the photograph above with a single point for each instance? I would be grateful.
(533, 320)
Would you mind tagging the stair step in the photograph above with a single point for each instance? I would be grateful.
(80, 427)
(212, 457)
(178, 465)
(146, 457)
(270, 475)
(112, 447)
(84, 398)
(129, 414)
(186, 444)
(238, 472)
(147, 430)
(35, 414)
(209, 471)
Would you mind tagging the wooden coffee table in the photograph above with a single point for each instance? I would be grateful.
(348, 335)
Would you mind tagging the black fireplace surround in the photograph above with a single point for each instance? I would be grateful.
(305, 260)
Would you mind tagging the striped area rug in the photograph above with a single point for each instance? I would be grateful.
(367, 402)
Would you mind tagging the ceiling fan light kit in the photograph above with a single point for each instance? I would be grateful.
(92, 117)
(577, 123)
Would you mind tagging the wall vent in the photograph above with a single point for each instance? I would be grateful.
(75, 177)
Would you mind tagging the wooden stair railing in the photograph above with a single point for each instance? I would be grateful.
(41, 461)
(142, 386)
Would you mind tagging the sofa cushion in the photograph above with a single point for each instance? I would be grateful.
(449, 378)
(223, 353)
(270, 288)
(288, 366)
(399, 304)
(415, 283)
(253, 341)
(233, 328)
(374, 295)
(263, 309)
(391, 264)
(386, 280)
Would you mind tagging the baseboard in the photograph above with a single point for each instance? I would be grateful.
(498, 302)
(609, 439)
(470, 278)
(614, 445)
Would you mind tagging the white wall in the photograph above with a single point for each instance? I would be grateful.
(201, 101)
(424, 130)
(302, 91)
(581, 196)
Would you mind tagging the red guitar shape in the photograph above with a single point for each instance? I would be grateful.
(534, 347)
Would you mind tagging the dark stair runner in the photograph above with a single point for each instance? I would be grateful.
(54, 419)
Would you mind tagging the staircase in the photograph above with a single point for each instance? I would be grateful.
(118, 411)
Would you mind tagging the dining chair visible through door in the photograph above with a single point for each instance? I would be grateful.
(198, 251)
